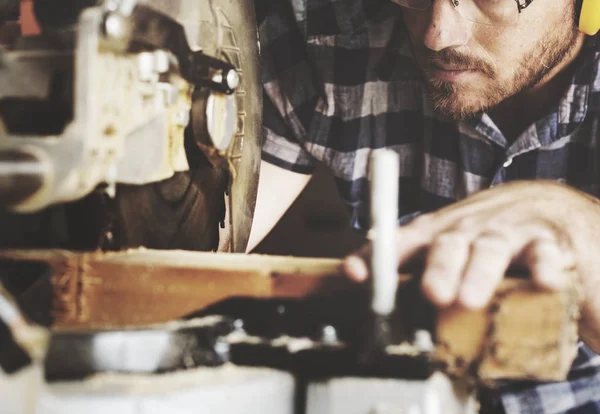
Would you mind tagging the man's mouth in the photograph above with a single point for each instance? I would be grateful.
(448, 72)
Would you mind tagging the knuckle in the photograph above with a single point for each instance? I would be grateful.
(466, 223)
(544, 229)
(490, 242)
(423, 220)
(545, 235)
(436, 264)
(415, 235)
(450, 239)
(550, 252)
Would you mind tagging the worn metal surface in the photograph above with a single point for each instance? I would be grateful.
(229, 390)
(436, 395)
(133, 136)
(226, 29)
(232, 22)
(124, 124)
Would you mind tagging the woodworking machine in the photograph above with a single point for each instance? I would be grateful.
(121, 114)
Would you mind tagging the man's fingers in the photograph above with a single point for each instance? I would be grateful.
(356, 268)
(445, 264)
(490, 257)
(548, 263)
(409, 241)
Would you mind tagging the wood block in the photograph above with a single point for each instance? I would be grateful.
(524, 334)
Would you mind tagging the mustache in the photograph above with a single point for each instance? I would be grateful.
(451, 57)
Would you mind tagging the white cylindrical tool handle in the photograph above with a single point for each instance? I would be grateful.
(384, 174)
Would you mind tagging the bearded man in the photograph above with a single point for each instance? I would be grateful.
(494, 109)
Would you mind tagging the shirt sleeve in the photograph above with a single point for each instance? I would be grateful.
(289, 89)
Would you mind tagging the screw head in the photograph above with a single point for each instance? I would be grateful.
(232, 79)
(238, 325)
(423, 341)
(329, 334)
(161, 61)
(115, 26)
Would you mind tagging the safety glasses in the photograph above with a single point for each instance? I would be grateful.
(488, 12)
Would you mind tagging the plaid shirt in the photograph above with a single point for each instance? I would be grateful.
(340, 81)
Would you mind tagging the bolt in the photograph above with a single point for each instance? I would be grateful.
(221, 348)
(182, 118)
(229, 79)
(161, 61)
(329, 335)
(116, 26)
(109, 237)
(124, 7)
(146, 66)
(423, 341)
(232, 79)
(238, 325)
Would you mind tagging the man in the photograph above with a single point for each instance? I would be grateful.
(473, 95)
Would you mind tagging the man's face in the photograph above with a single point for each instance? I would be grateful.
(471, 67)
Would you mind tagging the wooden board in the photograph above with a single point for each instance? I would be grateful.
(145, 287)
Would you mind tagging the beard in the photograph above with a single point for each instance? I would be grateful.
(460, 101)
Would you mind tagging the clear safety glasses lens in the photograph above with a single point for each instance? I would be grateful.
(487, 12)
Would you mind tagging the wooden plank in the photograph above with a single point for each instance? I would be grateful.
(525, 333)
(135, 287)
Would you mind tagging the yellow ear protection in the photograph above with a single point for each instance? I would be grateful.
(589, 18)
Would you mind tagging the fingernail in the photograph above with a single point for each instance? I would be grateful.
(356, 268)
(440, 290)
(470, 297)
(549, 278)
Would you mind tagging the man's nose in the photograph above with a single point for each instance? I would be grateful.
(447, 28)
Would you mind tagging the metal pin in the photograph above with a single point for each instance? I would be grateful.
(161, 61)
(384, 172)
(232, 79)
(329, 335)
(115, 26)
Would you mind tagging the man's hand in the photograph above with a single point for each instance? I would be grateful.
(544, 227)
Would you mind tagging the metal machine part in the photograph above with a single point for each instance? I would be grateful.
(120, 108)
(227, 390)
(383, 173)
(116, 96)
(308, 337)
(230, 389)
(436, 395)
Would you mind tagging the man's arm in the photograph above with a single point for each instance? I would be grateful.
(277, 190)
